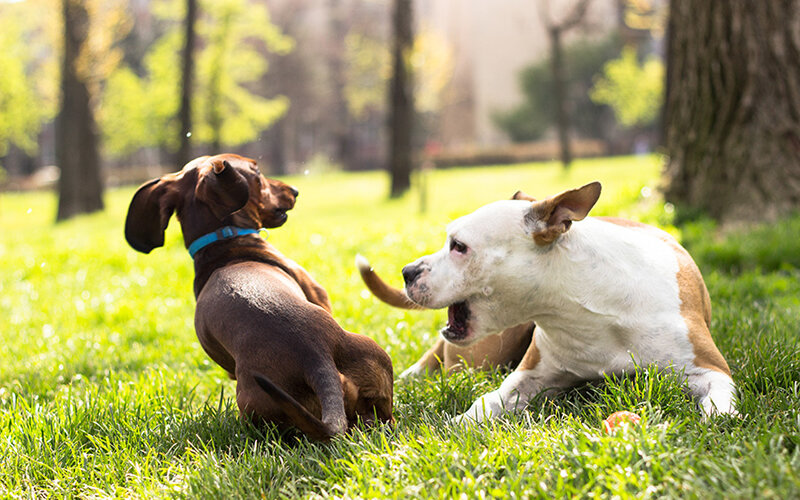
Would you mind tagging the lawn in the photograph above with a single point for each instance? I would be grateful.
(105, 391)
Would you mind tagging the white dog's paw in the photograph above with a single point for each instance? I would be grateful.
(485, 408)
(461, 420)
(414, 371)
(709, 409)
(467, 418)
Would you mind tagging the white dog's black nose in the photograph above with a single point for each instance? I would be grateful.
(410, 273)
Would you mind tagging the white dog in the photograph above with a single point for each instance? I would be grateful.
(607, 296)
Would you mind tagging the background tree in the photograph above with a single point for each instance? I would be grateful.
(237, 33)
(91, 30)
(29, 76)
(290, 75)
(401, 99)
(368, 70)
(555, 32)
(187, 80)
(432, 62)
(635, 92)
(732, 117)
(340, 125)
(21, 114)
(530, 120)
(142, 111)
(80, 186)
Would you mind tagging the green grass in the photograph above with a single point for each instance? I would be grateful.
(105, 391)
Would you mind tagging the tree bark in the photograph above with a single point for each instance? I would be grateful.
(556, 32)
(187, 80)
(80, 186)
(340, 118)
(401, 100)
(559, 93)
(732, 108)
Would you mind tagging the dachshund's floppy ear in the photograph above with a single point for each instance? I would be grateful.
(222, 188)
(149, 213)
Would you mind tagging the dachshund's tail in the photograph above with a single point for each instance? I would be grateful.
(379, 288)
(299, 416)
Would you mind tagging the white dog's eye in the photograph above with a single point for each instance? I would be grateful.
(457, 246)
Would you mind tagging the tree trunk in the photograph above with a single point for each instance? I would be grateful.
(80, 186)
(187, 77)
(277, 147)
(214, 103)
(401, 100)
(732, 109)
(340, 118)
(559, 94)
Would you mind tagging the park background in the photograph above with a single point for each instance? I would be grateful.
(392, 118)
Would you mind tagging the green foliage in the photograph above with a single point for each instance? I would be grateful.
(532, 118)
(633, 90)
(141, 112)
(26, 101)
(105, 391)
(20, 117)
(369, 68)
(228, 111)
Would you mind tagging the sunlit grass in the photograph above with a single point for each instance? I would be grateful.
(105, 391)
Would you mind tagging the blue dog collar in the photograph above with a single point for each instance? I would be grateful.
(223, 233)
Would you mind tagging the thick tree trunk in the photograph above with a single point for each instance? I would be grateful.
(732, 110)
(80, 187)
(187, 77)
(401, 100)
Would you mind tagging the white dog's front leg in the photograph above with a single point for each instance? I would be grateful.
(513, 394)
(416, 370)
(715, 392)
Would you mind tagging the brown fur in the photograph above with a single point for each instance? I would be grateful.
(259, 314)
(504, 349)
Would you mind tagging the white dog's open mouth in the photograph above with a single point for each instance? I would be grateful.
(457, 322)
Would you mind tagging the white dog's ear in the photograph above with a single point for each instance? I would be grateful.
(551, 217)
(521, 195)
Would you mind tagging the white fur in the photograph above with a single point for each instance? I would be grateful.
(362, 263)
(415, 370)
(604, 297)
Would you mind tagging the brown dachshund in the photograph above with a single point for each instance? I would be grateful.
(259, 314)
